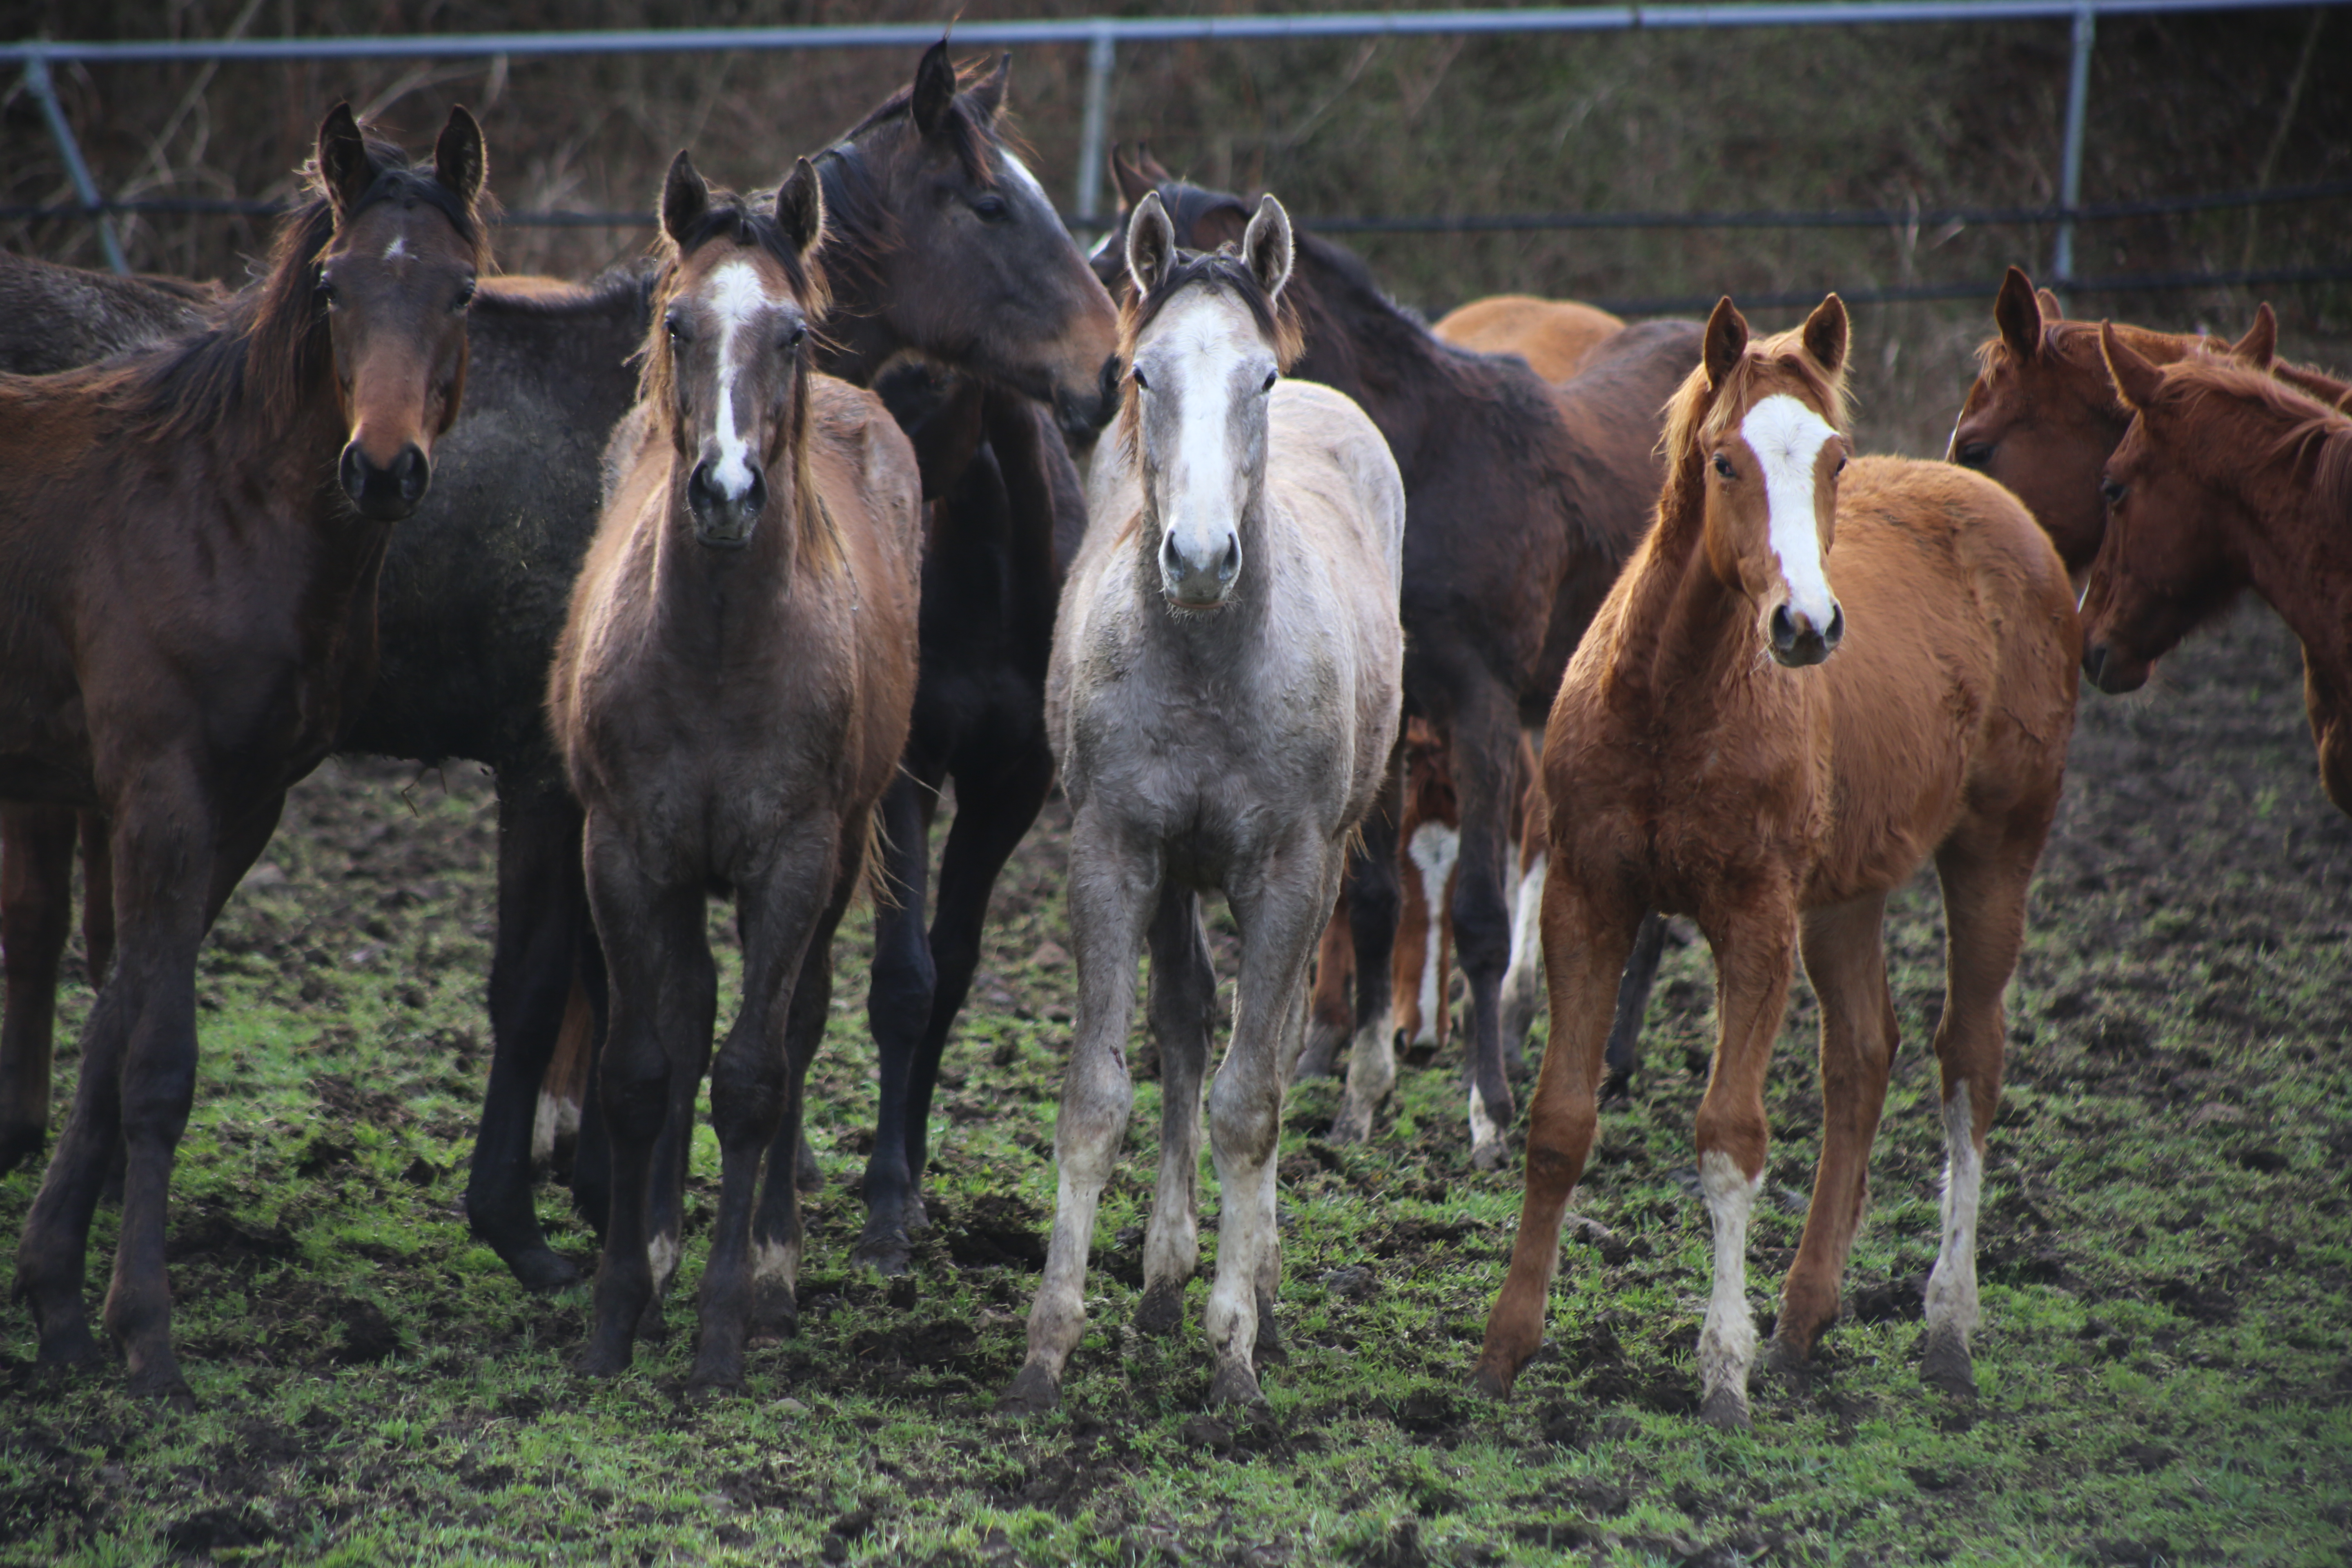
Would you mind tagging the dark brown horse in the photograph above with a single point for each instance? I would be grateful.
(1523, 502)
(2226, 479)
(731, 694)
(195, 533)
(2042, 415)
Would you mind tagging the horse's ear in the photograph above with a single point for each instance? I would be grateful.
(1265, 244)
(934, 89)
(1727, 340)
(1826, 333)
(2052, 311)
(2017, 312)
(988, 95)
(459, 161)
(800, 207)
(345, 166)
(1153, 169)
(685, 198)
(1132, 181)
(2136, 377)
(2259, 347)
(1150, 243)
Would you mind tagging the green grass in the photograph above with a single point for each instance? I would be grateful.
(2163, 1372)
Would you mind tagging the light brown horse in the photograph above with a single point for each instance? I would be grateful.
(730, 695)
(1695, 763)
(2226, 479)
(2042, 415)
(1554, 336)
(191, 537)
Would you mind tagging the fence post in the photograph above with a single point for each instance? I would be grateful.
(1091, 135)
(2070, 175)
(37, 80)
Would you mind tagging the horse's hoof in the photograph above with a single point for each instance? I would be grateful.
(21, 1145)
(165, 1387)
(888, 1253)
(807, 1174)
(1948, 1365)
(69, 1345)
(1492, 1379)
(1320, 1056)
(1492, 1155)
(775, 1311)
(602, 1360)
(1033, 1392)
(1352, 1125)
(1236, 1384)
(1161, 1310)
(543, 1270)
(717, 1375)
(1725, 1409)
(1791, 1363)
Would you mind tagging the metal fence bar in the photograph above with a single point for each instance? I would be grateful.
(1977, 289)
(1099, 55)
(37, 82)
(2069, 178)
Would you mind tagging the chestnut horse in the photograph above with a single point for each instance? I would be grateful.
(192, 616)
(1554, 336)
(2226, 479)
(1523, 501)
(1696, 763)
(2042, 414)
(730, 694)
(1224, 697)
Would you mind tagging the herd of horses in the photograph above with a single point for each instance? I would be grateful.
(739, 555)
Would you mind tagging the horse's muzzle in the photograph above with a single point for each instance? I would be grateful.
(1797, 643)
(389, 493)
(1191, 584)
(721, 521)
(2110, 674)
(1080, 415)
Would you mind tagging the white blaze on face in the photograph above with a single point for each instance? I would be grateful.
(1787, 439)
(1203, 356)
(397, 248)
(1022, 177)
(736, 298)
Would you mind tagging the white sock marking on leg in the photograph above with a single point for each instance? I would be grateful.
(1952, 1288)
(1727, 1345)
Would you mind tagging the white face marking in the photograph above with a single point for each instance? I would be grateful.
(397, 248)
(1727, 1342)
(737, 298)
(1787, 439)
(1204, 355)
(1952, 1288)
(1022, 177)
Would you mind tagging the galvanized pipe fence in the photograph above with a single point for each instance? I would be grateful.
(1104, 36)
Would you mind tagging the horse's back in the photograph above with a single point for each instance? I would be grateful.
(1554, 336)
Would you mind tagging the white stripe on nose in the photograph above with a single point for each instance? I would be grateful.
(736, 298)
(1787, 439)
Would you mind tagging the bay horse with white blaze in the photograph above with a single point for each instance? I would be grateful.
(1696, 763)
(193, 535)
(2226, 479)
(1223, 697)
(730, 694)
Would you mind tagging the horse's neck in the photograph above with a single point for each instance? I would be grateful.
(2298, 551)
(1361, 344)
(1685, 641)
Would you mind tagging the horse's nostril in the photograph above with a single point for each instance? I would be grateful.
(1836, 633)
(1784, 627)
(1232, 557)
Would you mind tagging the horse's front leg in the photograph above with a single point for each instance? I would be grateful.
(898, 1010)
(542, 918)
(1183, 1012)
(1755, 949)
(37, 845)
(1585, 936)
(1113, 885)
(1485, 742)
(1280, 911)
(1374, 900)
(664, 994)
(790, 902)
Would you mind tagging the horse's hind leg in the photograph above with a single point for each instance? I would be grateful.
(1846, 961)
(96, 896)
(1634, 998)
(1485, 747)
(542, 913)
(1331, 1013)
(1181, 1009)
(35, 914)
(1984, 919)
(1279, 920)
(1585, 944)
(788, 915)
(898, 1010)
(1374, 900)
(1113, 889)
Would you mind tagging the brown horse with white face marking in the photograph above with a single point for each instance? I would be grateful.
(2042, 415)
(192, 536)
(730, 694)
(1696, 763)
(2226, 479)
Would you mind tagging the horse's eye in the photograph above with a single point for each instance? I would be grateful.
(465, 295)
(1271, 377)
(1141, 384)
(793, 339)
(1839, 469)
(2111, 492)
(326, 291)
(1976, 455)
(675, 325)
(992, 209)
(1723, 466)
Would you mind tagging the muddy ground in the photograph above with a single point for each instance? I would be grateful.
(2164, 1372)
